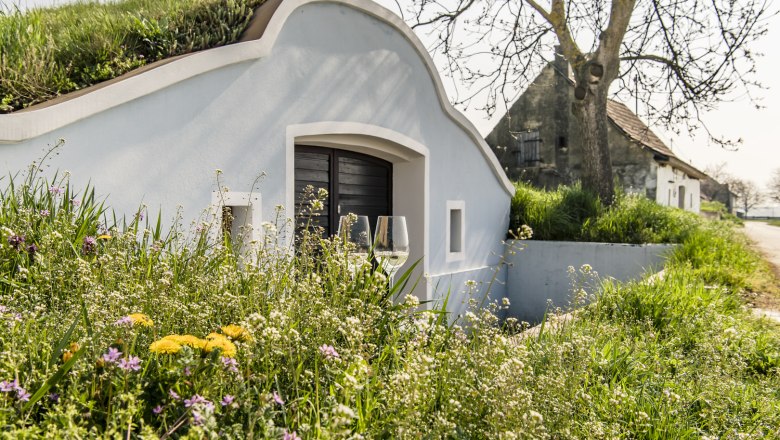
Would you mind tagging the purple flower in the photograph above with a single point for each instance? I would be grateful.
(22, 394)
(132, 363)
(195, 399)
(75, 202)
(230, 364)
(173, 395)
(329, 352)
(197, 418)
(7, 387)
(15, 241)
(290, 436)
(125, 320)
(278, 398)
(44, 212)
(90, 245)
(32, 249)
(187, 371)
(112, 356)
(56, 190)
(157, 409)
(54, 397)
(227, 400)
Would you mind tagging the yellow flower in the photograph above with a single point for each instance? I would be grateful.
(68, 353)
(164, 346)
(141, 319)
(188, 340)
(104, 237)
(216, 341)
(236, 332)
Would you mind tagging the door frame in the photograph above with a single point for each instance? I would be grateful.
(410, 181)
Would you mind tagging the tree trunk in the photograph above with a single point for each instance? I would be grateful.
(591, 115)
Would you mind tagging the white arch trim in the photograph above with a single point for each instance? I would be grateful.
(18, 127)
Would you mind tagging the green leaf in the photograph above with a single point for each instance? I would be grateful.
(54, 379)
(63, 342)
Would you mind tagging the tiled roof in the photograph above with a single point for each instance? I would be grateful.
(635, 129)
(630, 124)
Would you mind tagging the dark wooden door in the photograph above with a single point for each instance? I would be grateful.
(355, 182)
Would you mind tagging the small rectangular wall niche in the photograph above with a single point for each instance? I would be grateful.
(239, 216)
(456, 230)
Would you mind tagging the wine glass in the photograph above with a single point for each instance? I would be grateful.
(355, 234)
(391, 243)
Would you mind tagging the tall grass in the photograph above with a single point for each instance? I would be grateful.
(293, 344)
(49, 52)
(570, 213)
(553, 215)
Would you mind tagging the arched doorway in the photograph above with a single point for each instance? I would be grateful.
(409, 183)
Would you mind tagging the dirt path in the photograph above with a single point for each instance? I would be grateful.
(766, 239)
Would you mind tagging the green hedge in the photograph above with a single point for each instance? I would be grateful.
(570, 213)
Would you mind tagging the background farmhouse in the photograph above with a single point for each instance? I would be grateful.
(537, 141)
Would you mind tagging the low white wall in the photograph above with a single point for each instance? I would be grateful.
(484, 285)
(538, 274)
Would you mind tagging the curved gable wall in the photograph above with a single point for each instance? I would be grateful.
(330, 61)
(24, 125)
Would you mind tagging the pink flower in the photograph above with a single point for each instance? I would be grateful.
(227, 400)
(7, 387)
(290, 436)
(173, 395)
(230, 364)
(125, 320)
(157, 409)
(112, 356)
(130, 364)
(329, 352)
(195, 399)
(22, 394)
(278, 398)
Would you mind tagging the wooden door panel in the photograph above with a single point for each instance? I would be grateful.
(356, 183)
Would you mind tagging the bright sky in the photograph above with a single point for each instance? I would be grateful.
(759, 129)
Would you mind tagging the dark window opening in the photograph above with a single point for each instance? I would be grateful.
(356, 183)
(526, 148)
(456, 229)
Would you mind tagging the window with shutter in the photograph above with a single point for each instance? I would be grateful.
(355, 182)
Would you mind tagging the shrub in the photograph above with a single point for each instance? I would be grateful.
(553, 215)
(572, 213)
(636, 219)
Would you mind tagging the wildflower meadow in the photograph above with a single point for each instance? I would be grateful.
(123, 328)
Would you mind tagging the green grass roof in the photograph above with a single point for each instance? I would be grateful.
(48, 52)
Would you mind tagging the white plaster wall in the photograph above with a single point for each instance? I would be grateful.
(669, 181)
(330, 63)
(538, 277)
